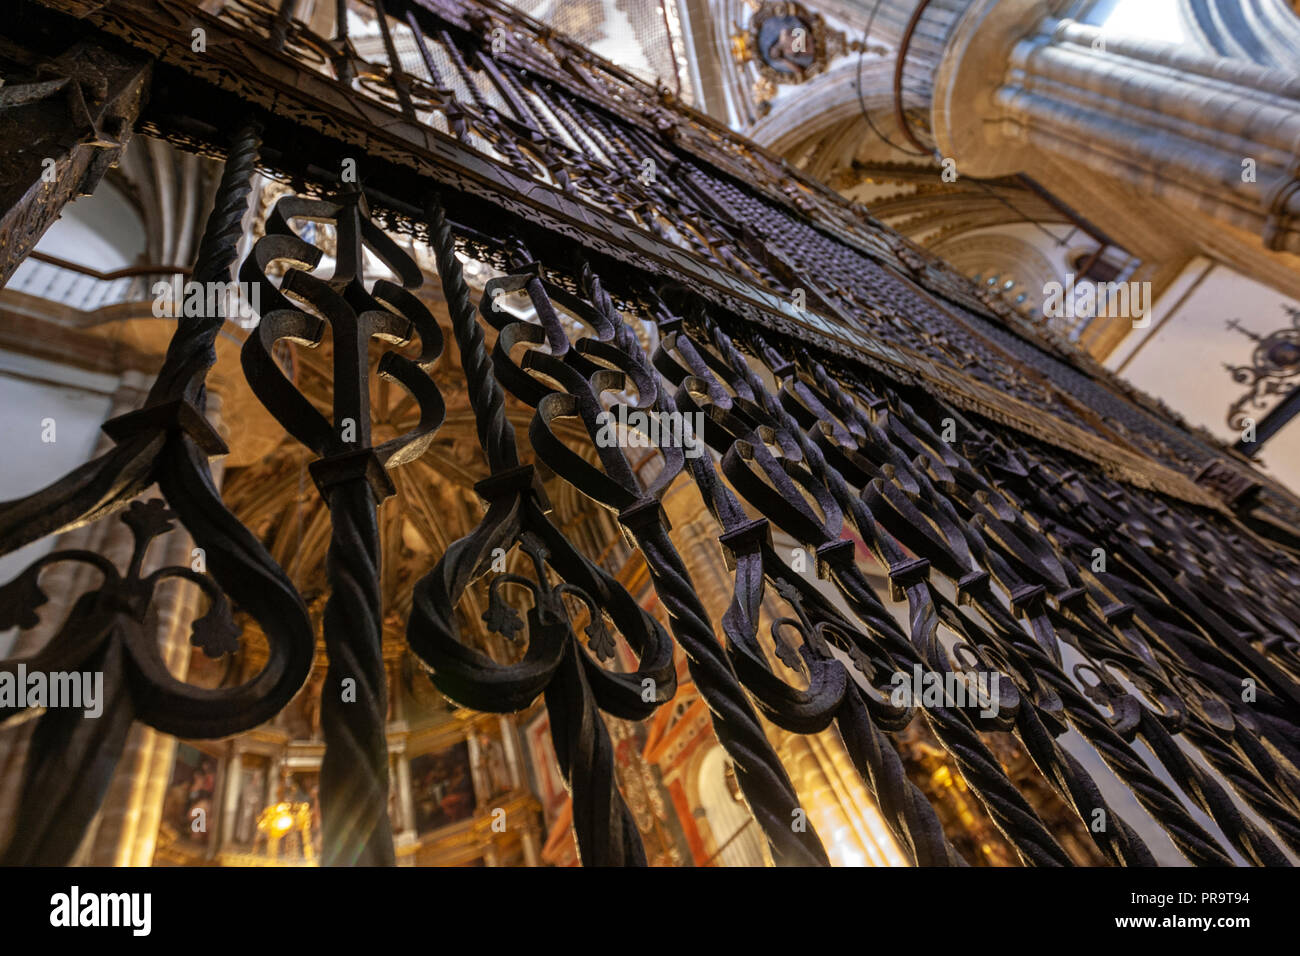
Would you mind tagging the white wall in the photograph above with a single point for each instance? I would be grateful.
(1181, 357)
(31, 391)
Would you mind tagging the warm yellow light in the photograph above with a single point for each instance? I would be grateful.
(845, 850)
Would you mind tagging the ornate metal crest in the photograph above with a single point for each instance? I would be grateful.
(1274, 368)
(788, 44)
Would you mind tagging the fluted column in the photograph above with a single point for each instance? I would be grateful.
(174, 190)
(405, 800)
(1266, 32)
(231, 795)
(1216, 134)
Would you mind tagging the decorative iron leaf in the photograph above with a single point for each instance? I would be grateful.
(599, 638)
(19, 600)
(149, 519)
(216, 632)
(501, 618)
(787, 653)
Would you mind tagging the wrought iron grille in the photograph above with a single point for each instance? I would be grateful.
(850, 384)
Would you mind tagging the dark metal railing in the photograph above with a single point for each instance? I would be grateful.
(1037, 523)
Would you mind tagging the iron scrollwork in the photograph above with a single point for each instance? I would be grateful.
(555, 664)
(611, 360)
(167, 442)
(351, 474)
(1274, 369)
(900, 428)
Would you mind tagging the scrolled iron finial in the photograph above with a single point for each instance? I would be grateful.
(608, 362)
(169, 442)
(555, 664)
(351, 474)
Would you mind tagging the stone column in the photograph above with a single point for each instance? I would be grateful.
(1266, 32)
(510, 742)
(1215, 134)
(232, 786)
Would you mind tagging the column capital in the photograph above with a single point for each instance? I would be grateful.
(964, 114)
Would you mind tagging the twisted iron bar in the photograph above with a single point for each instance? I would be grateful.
(924, 623)
(575, 689)
(190, 353)
(1249, 839)
(1180, 622)
(167, 441)
(1008, 807)
(906, 810)
(352, 476)
(1188, 836)
(1182, 635)
(762, 778)
(1060, 766)
(495, 433)
(354, 771)
(604, 826)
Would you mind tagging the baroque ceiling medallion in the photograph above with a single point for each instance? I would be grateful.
(787, 43)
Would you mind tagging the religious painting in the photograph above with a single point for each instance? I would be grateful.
(189, 806)
(442, 786)
(493, 769)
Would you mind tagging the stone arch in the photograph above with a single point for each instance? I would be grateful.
(737, 840)
(1007, 257)
(835, 94)
(1266, 32)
